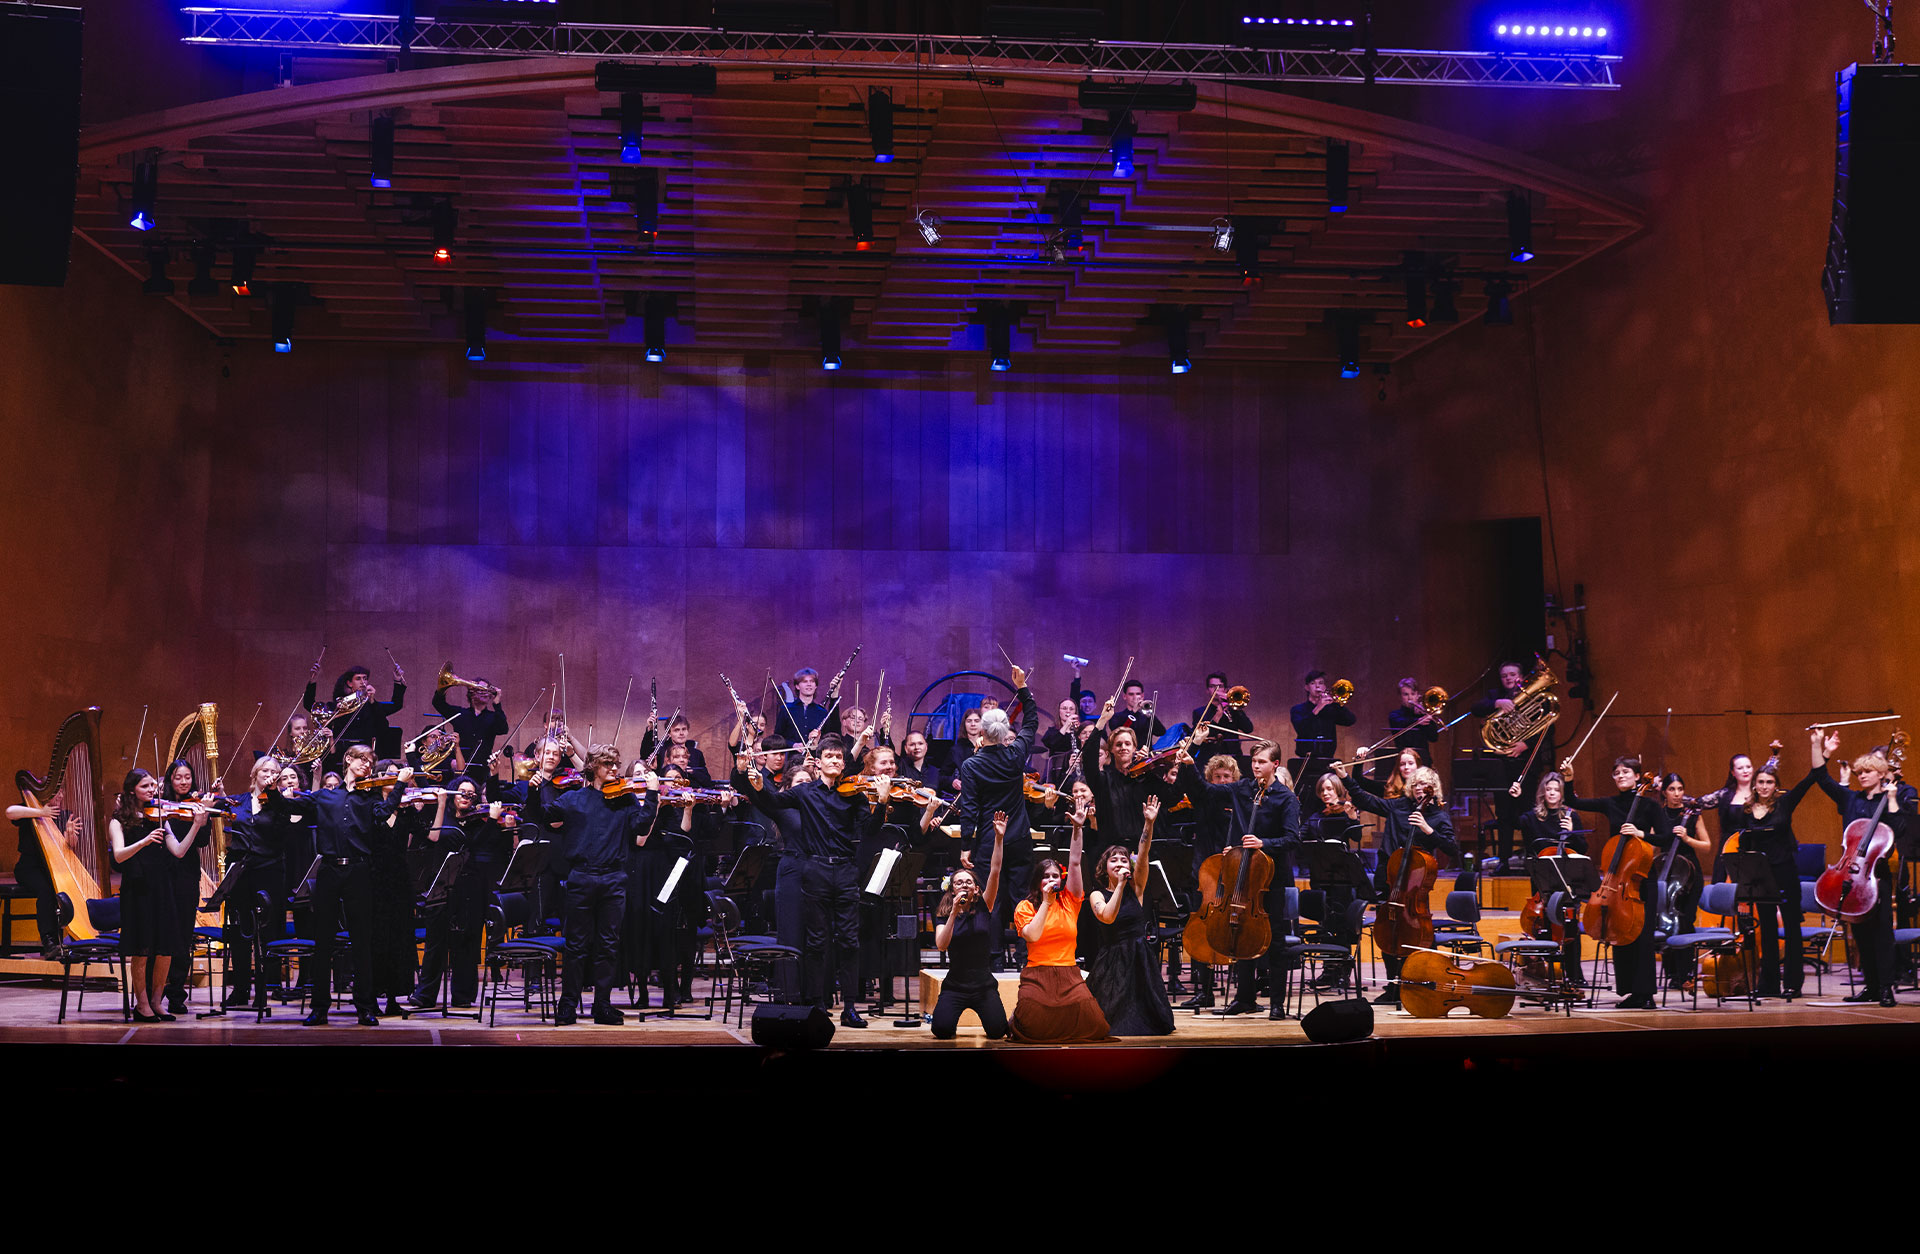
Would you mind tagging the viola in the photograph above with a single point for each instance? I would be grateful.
(1617, 911)
(1849, 889)
(1433, 983)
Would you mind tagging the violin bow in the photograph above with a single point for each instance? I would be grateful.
(623, 711)
(515, 733)
(660, 742)
(140, 735)
(563, 693)
(257, 707)
(874, 722)
(1598, 719)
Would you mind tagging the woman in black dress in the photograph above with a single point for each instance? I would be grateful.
(1765, 826)
(144, 850)
(1123, 977)
(180, 786)
(968, 934)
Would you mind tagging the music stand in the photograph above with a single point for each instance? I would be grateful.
(525, 867)
(1575, 875)
(215, 901)
(1168, 866)
(1753, 887)
(899, 885)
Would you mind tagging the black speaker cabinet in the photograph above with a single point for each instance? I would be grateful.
(791, 1027)
(1873, 252)
(40, 142)
(1335, 1022)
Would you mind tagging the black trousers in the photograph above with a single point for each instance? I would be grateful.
(830, 896)
(31, 873)
(790, 927)
(343, 894)
(596, 903)
(977, 991)
(394, 948)
(1873, 936)
(1634, 965)
(1773, 920)
(648, 930)
(243, 918)
(1016, 878)
(186, 900)
(454, 934)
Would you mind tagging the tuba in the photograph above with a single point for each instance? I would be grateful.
(1534, 710)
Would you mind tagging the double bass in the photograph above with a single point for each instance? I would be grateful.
(1617, 911)
(1849, 889)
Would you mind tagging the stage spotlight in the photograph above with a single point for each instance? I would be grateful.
(476, 310)
(1178, 355)
(1519, 227)
(445, 224)
(999, 337)
(1578, 34)
(280, 312)
(244, 256)
(1346, 341)
(157, 284)
(929, 227)
(146, 191)
(1246, 247)
(829, 333)
(1223, 235)
(1120, 148)
(1339, 161)
(632, 105)
(860, 214)
(656, 310)
(380, 150)
(646, 205)
(203, 283)
(1499, 294)
(880, 123)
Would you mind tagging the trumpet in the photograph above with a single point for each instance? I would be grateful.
(448, 679)
(1341, 692)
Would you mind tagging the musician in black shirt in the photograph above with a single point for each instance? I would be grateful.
(1259, 813)
(1629, 814)
(595, 834)
(486, 833)
(1136, 717)
(368, 724)
(1316, 724)
(478, 726)
(1874, 783)
(803, 719)
(1412, 728)
(31, 872)
(1417, 818)
(1218, 712)
(831, 825)
(1521, 767)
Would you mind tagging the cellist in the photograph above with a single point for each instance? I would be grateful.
(1633, 964)
(1872, 776)
(1418, 819)
(1259, 813)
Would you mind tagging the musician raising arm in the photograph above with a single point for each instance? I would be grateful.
(1418, 819)
(1765, 826)
(1124, 976)
(967, 933)
(1872, 777)
(1628, 814)
(1054, 1006)
(1261, 813)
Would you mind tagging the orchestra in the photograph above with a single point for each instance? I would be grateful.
(994, 813)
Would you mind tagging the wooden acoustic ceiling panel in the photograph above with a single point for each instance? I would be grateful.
(753, 228)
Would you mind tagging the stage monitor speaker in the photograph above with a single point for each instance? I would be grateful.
(40, 142)
(1336, 1022)
(1873, 253)
(791, 1027)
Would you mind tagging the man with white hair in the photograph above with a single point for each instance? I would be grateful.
(993, 780)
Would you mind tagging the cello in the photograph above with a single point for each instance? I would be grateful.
(1405, 920)
(1432, 983)
(1617, 911)
(1848, 889)
(1232, 924)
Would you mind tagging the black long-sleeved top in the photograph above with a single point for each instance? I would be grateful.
(1645, 813)
(992, 779)
(1772, 834)
(366, 725)
(1540, 832)
(477, 730)
(343, 819)
(1317, 735)
(799, 719)
(1118, 798)
(831, 823)
(1398, 812)
(1331, 825)
(1228, 811)
(783, 826)
(1146, 728)
(260, 830)
(1401, 720)
(594, 833)
(1208, 749)
(1859, 805)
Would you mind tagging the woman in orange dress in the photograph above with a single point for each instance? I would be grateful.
(1054, 1007)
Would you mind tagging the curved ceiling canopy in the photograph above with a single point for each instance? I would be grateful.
(753, 228)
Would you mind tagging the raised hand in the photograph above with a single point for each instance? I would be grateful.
(1150, 808)
(1019, 677)
(999, 822)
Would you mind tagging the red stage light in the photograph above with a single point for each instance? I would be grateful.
(443, 255)
(861, 246)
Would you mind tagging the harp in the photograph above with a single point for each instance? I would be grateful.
(196, 741)
(82, 868)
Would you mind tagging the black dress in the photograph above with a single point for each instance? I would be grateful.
(1123, 977)
(149, 921)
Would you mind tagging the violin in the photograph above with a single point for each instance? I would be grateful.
(1432, 983)
(160, 811)
(1405, 920)
(867, 786)
(390, 780)
(720, 795)
(1617, 911)
(1034, 790)
(1849, 889)
(567, 780)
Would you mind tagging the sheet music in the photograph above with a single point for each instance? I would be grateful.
(882, 872)
(673, 881)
